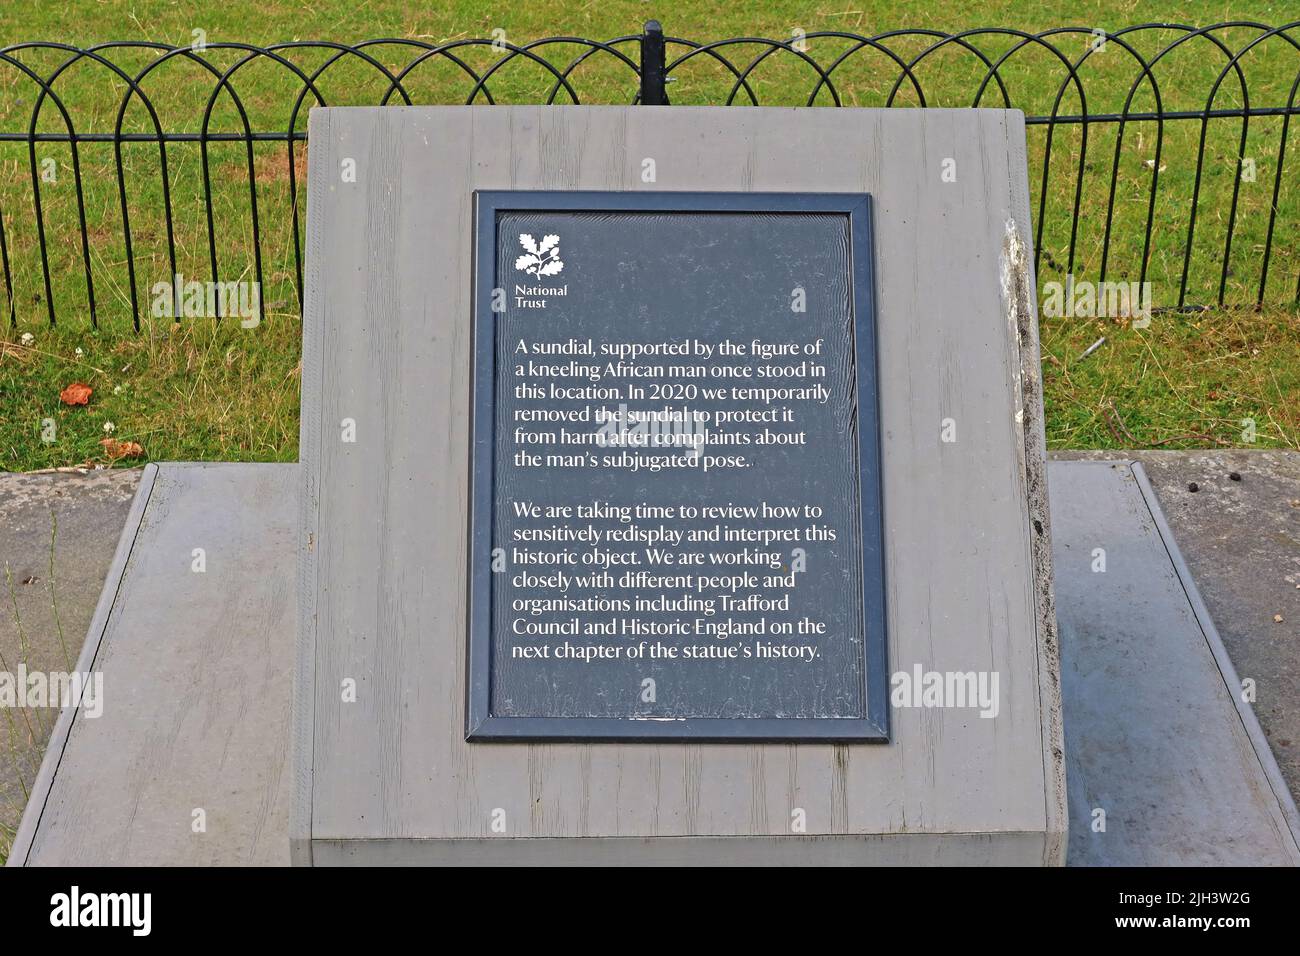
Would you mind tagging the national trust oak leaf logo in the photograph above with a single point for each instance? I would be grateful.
(542, 259)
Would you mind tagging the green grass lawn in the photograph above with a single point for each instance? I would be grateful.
(209, 390)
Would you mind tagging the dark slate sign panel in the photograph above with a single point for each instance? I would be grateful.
(675, 525)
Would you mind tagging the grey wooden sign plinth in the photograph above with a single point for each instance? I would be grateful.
(389, 777)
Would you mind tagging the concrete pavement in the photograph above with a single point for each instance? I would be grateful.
(1241, 540)
(1239, 536)
(44, 615)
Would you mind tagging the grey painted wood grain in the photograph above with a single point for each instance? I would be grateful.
(196, 670)
(302, 733)
(1019, 294)
(919, 849)
(384, 519)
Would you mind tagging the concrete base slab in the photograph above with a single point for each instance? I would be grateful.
(1241, 539)
(1160, 748)
(197, 669)
(187, 764)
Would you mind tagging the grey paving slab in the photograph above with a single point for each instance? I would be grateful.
(196, 671)
(1152, 734)
(1241, 540)
(1158, 746)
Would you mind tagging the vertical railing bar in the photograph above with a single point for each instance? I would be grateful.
(1191, 221)
(1110, 203)
(1078, 196)
(40, 231)
(9, 279)
(126, 231)
(257, 235)
(1042, 195)
(293, 215)
(1272, 206)
(1151, 203)
(653, 76)
(85, 236)
(204, 161)
(1232, 209)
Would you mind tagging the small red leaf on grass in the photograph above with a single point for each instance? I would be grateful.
(115, 449)
(78, 393)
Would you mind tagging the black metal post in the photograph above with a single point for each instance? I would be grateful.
(653, 75)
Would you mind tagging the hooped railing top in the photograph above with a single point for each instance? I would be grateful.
(653, 61)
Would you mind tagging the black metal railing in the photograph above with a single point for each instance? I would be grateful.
(146, 212)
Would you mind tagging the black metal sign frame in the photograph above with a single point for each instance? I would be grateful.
(481, 723)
